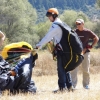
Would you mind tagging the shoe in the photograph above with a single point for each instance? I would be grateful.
(71, 89)
(86, 87)
(60, 90)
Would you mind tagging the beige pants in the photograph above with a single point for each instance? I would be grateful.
(85, 70)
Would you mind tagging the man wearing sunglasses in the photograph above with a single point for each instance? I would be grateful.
(85, 35)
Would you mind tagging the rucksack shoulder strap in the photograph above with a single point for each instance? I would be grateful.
(64, 25)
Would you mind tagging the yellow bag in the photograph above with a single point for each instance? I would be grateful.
(51, 47)
(16, 49)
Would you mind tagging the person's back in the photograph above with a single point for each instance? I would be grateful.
(71, 48)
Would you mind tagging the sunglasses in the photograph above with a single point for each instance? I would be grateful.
(78, 24)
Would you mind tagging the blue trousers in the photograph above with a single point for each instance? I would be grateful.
(64, 78)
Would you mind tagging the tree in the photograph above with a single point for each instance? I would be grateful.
(98, 3)
(70, 16)
(16, 19)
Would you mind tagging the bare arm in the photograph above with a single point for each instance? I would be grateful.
(2, 37)
(95, 40)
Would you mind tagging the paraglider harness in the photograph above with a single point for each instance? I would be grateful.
(14, 57)
(70, 50)
(14, 52)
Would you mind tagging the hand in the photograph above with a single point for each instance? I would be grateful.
(37, 47)
(12, 73)
(89, 47)
(84, 51)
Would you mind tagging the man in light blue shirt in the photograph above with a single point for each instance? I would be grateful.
(55, 32)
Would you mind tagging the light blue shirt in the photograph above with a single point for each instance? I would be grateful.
(55, 33)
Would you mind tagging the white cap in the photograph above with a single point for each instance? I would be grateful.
(80, 21)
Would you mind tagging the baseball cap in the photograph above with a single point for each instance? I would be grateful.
(79, 21)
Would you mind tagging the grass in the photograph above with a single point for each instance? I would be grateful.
(45, 77)
(46, 84)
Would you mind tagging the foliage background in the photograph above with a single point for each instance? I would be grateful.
(24, 20)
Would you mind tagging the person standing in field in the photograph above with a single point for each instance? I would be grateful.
(55, 32)
(85, 35)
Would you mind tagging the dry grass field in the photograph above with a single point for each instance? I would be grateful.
(45, 77)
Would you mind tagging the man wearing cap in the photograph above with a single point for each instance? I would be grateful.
(85, 35)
